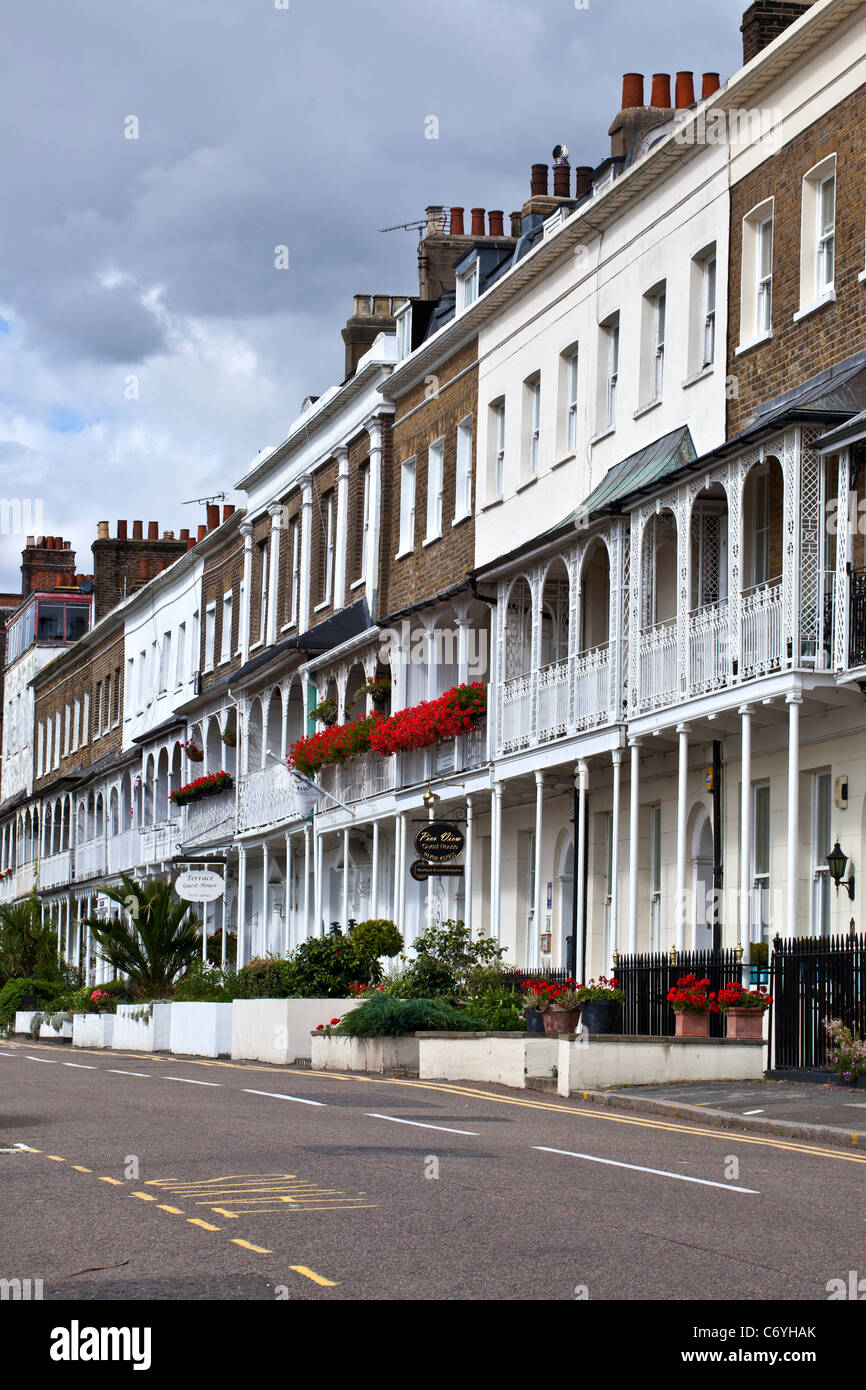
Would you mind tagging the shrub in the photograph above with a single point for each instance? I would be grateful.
(81, 1001)
(447, 956)
(203, 984)
(325, 967)
(498, 1010)
(376, 938)
(384, 1015)
(14, 991)
(269, 978)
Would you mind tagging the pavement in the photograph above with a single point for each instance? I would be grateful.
(138, 1176)
(823, 1113)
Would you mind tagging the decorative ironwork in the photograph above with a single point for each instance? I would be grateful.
(813, 981)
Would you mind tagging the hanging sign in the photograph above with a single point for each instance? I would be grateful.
(199, 885)
(421, 870)
(438, 841)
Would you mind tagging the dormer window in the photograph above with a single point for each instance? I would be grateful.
(467, 287)
(404, 332)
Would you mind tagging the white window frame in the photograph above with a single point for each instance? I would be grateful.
(821, 904)
(463, 475)
(826, 239)
(710, 288)
(659, 321)
(179, 671)
(498, 438)
(407, 507)
(265, 552)
(763, 278)
(328, 593)
(572, 383)
(209, 636)
(365, 518)
(294, 573)
(467, 283)
(533, 421)
(756, 287)
(226, 633)
(85, 720)
(760, 881)
(612, 334)
(435, 484)
(404, 331)
(655, 876)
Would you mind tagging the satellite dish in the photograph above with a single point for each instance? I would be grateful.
(560, 153)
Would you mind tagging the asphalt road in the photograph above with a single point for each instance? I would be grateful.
(156, 1177)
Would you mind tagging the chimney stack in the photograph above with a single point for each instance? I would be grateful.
(184, 535)
(516, 224)
(372, 315)
(765, 20)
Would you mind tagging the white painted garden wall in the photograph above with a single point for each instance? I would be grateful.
(504, 1058)
(366, 1054)
(143, 1027)
(201, 1030)
(278, 1030)
(92, 1030)
(588, 1064)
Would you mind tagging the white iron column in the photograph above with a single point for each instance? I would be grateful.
(246, 604)
(633, 844)
(839, 637)
(266, 900)
(223, 915)
(204, 908)
(242, 906)
(745, 830)
(614, 855)
(533, 952)
(467, 890)
(308, 838)
(401, 872)
(374, 873)
(341, 454)
(287, 900)
(344, 911)
(580, 866)
(793, 810)
(683, 730)
(495, 858)
(431, 890)
(317, 880)
(375, 429)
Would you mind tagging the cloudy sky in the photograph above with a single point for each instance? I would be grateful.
(148, 345)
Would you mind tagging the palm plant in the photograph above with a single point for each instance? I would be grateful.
(154, 941)
(28, 946)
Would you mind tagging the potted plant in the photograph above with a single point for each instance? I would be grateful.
(562, 1014)
(847, 1053)
(693, 1004)
(325, 712)
(193, 752)
(744, 1010)
(229, 736)
(377, 690)
(535, 1004)
(602, 1005)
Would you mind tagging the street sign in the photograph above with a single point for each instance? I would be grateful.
(199, 886)
(421, 870)
(438, 841)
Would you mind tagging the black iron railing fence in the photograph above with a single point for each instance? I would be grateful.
(812, 981)
(646, 979)
(857, 619)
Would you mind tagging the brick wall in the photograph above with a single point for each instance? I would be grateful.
(121, 565)
(96, 672)
(418, 423)
(223, 572)
(799, 351)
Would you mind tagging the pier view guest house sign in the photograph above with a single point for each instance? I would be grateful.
(439, 841)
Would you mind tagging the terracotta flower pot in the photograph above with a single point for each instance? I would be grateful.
(561, 1020)
(691, 1024)
(745, 1023)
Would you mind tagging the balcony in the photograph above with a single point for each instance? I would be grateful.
(657, 665)
(567, 696)
(263, 800)
(158, 841)
(761, 630)
(124, 851)
(360, 779)
(55, 870)
(18, 885)
(709, 648)
(90, 859)
(592, 688)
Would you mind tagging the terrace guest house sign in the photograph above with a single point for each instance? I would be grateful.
(199, 885)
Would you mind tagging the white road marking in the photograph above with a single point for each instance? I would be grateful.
(276, 1096)
(753, 1112)
(118, 1072)
(637, 1168)
(82, 1066)
(49, 1061)
(418, 1125)
(189, 1081)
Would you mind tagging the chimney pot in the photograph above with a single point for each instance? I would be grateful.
(102, 530)
(168, 535)
(538, 183)
(184, 535)
(516, 223)
(202, 531)
(153, 530)
(228, 510)
(381, 305)
(121, 530)
(632, 90)
(477, 222)
(144, 568)
(561, 180)
(685, 90)
(190, 541)
(457, 222)
(661, 94)
(361, 306)
(583, 180)
(137, 531)
(496, 220)
(710, 83)
(213, 516)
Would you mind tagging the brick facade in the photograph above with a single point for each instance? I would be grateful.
(419, 421)
(800, 350)
(223, 573)
(122, 564)
(91, 676)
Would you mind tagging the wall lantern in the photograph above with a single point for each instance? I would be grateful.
(836, 863)
(430, 798)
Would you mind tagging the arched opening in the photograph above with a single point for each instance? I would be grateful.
(81, 824)
(255, 737)
(355, 705)
(160, 794)
(702, 882)
(99, 817)
(114, 813)
(553, 681)
(296, 717)
(565, 898)
(658, 635)
(709, 634)
(148, 791)
(213, 748)
(274, 732)
(175, 778)
(516, 723)
(761, 603)
(595, 597)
